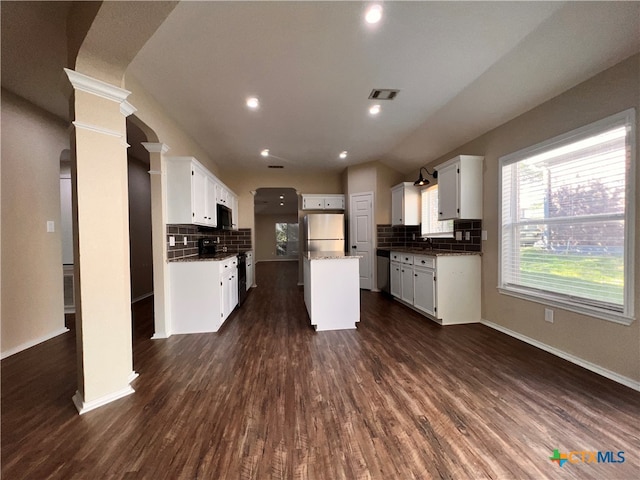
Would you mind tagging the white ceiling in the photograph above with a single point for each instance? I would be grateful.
(462, 68)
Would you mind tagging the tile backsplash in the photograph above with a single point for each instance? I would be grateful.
(409, 237)
(234, 240)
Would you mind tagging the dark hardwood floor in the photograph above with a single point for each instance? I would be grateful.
(269, 398)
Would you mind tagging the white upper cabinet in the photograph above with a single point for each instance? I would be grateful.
(405, 204)
(322, 202)
(460, 188)
(192, 193)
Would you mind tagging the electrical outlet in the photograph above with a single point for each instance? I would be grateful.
(413, 236)
(458, 235)
(484, 235)
(548, 315)
(184, 240)
(467, 236)
(172, 241)
(51, 226)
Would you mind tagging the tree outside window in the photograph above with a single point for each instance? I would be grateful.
(286, 239)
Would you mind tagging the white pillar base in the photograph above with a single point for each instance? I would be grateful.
(84, 407)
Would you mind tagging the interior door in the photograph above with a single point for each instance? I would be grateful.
(361, 235)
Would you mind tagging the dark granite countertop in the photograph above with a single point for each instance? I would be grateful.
(426, 251)
(218, 257)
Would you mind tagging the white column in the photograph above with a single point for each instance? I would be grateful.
(161, 297)
(101, 242)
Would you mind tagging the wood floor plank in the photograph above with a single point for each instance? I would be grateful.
(267, 397)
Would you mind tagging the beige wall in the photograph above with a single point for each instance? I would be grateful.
(243, 182)
(165, 127)
(265, 235)
(32, 299)
(612, 346)
(373, 177)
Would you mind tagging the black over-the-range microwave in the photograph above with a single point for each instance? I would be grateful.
(224, 217)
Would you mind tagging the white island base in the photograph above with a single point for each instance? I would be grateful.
(332, 290)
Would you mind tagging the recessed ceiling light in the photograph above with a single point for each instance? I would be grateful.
(343, 154)
(281, 203)
(374, 110)
(374, 14)
(253, 103)
(265, 152)
(281, 197)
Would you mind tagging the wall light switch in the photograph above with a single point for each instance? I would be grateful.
(184, 240)
(51, 226)
(467, 236)
(458, 235)
(484, 234)
(548, 315)
(172, 241)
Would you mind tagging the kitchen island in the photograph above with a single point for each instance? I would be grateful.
(332, 290)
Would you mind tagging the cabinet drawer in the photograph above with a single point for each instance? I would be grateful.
(407, 259)
(424, 261)
(395, 257)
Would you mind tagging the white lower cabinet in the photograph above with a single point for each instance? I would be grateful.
(446, 287)
(407, 283)
(203, 294)
(396, 279)
(424, 290)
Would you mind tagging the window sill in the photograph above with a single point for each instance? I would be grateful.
(575, 307)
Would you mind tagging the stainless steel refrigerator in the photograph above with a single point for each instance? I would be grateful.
(324, 232)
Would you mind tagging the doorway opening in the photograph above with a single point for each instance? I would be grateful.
(276, 221)
(140, 242)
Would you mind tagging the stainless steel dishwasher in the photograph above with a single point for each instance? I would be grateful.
(383, 265)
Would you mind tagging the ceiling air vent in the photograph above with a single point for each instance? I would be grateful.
(276, 166)
(383, 94)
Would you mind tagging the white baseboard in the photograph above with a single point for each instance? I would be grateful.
(32, 343)
(160, 335)
(84, 407)
(611, 375)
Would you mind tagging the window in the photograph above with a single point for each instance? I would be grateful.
(286, 239)
(430, 226)
(566, 220)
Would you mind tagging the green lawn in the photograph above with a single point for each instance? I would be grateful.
(594, 277)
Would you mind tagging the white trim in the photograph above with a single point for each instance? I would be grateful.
(160, 336)
(96, 87)
(127, 109)
(156, 147)
(97, 129)
(154, 172)
(33, 343)
(132, 376)
(84, 407)
(611, 375)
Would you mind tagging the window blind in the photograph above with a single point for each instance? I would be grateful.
(564, 215)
